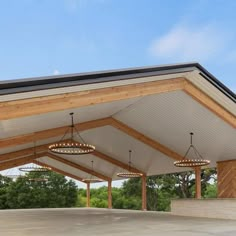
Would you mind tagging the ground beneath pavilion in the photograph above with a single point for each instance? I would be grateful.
(106, 222)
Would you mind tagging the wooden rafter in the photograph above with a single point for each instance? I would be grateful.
(116, 162)
(23, 152)
(58, 170)
(50, 133)
(45, 104)
(77, 166)
(44, 148)
(19, 161)
(208, 102)
(142, 138)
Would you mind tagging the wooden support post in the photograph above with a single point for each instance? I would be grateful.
(144, 197)
(88, 194)
(109, 194)
(198, 186)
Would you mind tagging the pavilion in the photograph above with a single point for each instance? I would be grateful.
(149, 110)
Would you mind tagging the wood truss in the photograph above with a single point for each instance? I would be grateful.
(77, 166)
(209, 103)
(19, 161)
(40, 163)
(40, 105)
(142, 138)
(10, 160)
(50, 133)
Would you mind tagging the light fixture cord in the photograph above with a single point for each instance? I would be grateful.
(191, 145)
(72, 126)
(191, 138)
(198, 155)
(35, 149)
(129, 160)
(92, 170)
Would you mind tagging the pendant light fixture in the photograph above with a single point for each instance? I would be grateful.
(33, 167)
(92, 178)
(129, 174)
(198, 161)
(71, 147)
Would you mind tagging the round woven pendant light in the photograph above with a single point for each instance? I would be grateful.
(71, 146)
(197, 162)
(129, 174)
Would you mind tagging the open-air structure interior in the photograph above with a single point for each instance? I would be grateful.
(149, 110)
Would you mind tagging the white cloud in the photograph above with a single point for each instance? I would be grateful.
(56, 72)
(183, 43)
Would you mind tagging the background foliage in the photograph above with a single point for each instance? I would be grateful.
(60, 192)
(25, 193)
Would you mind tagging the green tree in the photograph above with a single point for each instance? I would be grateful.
(211, 191)
(81, 198)
(4, 185)
(57, 191)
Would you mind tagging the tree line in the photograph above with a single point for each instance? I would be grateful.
(57, 191)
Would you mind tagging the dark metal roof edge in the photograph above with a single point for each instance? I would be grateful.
(98, 74)
(214, 81)
(48, 82)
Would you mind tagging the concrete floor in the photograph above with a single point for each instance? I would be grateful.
(106, 222)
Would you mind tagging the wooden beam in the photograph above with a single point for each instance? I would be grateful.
(109, 190)
(19, 161)
(23, 152)
(44, 148)
(50, 133)
(116, 162)
(59, 102)
(144, 193)
(209, 103)
(77, 166)
(148, 141)
(198, 187)
(88, 195)
(58, 170)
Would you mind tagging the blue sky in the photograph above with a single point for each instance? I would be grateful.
(46, 37)
(42, 37)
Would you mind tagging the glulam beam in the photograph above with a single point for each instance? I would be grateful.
(146, 140)
(19, 161)
(51, 133)
(59, 102)
(209, 103)
(77, 166)
(40, 163)
(24, 152)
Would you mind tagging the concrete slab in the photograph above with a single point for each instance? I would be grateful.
(71, 222)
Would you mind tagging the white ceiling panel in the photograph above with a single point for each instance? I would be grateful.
(29, 124)
(117, 144)
(169, 118)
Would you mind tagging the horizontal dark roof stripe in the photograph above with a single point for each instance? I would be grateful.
(59, 81)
